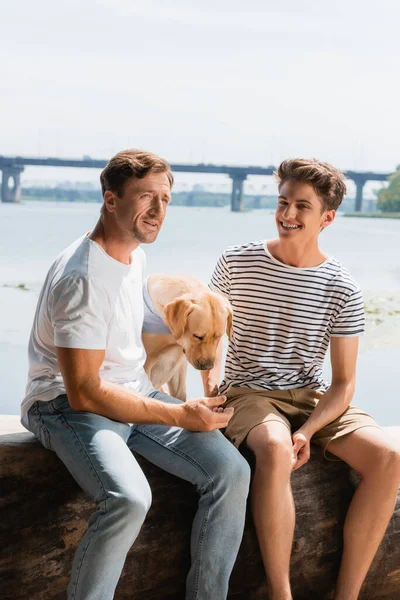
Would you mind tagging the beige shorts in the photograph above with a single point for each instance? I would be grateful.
(289, 407)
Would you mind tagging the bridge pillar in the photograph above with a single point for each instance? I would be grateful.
(257, 202)
(189, 200)
(11, 193)
(359, 194)
(237, 191)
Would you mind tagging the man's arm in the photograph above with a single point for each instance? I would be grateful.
(211, 378)
(335, 401)
(87, 391)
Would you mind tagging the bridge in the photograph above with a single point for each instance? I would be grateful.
(12, 167)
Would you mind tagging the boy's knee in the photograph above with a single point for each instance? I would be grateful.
(388, 463)
(272, 447)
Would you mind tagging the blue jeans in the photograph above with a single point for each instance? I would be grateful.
(98, 453)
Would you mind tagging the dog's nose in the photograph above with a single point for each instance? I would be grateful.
(205, 365)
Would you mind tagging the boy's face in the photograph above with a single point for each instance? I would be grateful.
(300, 215)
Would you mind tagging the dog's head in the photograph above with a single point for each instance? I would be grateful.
(197, 325)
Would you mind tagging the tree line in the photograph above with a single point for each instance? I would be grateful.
(389, 198)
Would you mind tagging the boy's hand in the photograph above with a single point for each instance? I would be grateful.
(301, 449)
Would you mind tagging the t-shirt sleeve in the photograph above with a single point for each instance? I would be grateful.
(80, 312)
(351, 319)
(221, 280)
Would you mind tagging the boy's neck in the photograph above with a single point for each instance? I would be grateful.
(295, 255)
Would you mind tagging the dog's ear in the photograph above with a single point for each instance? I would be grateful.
(229, 317)
(176, 314)
(229, 321)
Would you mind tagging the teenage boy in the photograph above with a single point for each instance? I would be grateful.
(291, 301)
(89, 400)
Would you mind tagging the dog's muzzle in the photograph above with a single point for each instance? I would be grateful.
(204, 365)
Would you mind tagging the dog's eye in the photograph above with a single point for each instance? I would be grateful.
(198, 337)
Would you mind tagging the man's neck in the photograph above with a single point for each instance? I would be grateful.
(294, 255)
(112, 243)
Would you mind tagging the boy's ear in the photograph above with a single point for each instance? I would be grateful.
(328, 218)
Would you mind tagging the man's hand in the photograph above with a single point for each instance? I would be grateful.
(205, 414)
(301, 449)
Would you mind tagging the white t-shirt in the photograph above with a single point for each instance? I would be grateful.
(89, 300)
(283, 317)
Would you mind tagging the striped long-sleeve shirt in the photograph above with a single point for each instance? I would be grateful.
(284, 317)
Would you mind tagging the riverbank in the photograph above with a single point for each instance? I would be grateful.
(373, 215)
(195, 198)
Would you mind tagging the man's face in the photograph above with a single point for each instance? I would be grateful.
(140, 211)
(300, 214)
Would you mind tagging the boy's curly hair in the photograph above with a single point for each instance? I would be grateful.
(329, 183)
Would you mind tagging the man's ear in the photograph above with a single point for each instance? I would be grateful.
(176, 314)
(109, 201)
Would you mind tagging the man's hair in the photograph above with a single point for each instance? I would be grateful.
(131, 163)
(328, 183)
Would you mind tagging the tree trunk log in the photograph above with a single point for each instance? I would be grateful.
(44, 515)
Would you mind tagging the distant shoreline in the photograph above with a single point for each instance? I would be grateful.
(373, 215)
(194, 198)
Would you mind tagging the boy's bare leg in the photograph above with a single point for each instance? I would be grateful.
(372, 453)
(272, 503)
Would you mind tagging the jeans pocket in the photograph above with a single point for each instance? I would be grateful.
(60, 404)
(38, 426)
(45, 437)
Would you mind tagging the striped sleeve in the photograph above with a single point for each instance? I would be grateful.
(221, 279)
(351, 319)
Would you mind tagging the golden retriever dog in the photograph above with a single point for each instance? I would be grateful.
(184, 321)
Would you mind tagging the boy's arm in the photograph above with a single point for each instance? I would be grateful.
(335, 401)
(211, 378)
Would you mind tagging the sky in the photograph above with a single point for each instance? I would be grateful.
(219, 81)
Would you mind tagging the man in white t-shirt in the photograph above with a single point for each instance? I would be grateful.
(89, 400)
(290, 301)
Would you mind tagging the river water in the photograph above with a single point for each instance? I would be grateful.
(32, 234)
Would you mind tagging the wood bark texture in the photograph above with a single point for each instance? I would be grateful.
(44, 515)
